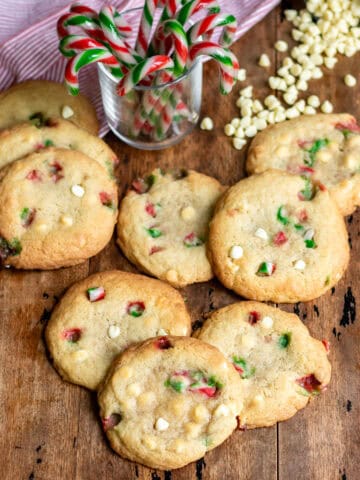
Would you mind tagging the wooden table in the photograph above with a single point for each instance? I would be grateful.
(50, 429)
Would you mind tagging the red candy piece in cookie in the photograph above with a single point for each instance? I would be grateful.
(72, 335)
(111, 422)
(191, 240)
(254, 317)
(207, 391)
(150, 209)
(156, 250)
(27, 216)
(55, 169)
(136, 309)
(95, 294)
(163, 343)
(303, 215)
(326, 344)
(351, 126)
(106, 200)
(310, 383)
(306, 170)
(280, 238)
(34, 175)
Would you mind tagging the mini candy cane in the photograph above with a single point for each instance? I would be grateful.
(181, 47)
(70, 43)
(142, 70)
(120, 50)
(89, 25)
(209, 23)
(85, 58)
(227, 61)
(192, 7)
(147, 19)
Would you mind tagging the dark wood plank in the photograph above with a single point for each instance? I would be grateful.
(50, 429)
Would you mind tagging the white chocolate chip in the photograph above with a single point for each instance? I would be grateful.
(281, 46)
(187, 213)
(113, 331)
(66, 220)
(261, 233)
(300, 265)
(78, 191)
(313, 101)
(161, 425)
(221, 411)
(241, 75)
(80, 356)
(267, 322)
(161, 332)
(308, 110)
(238, 143)
(326, 107)
(349, 80)
(207, 124)
(264, 61)
(236, 252)
(247, 91)
(229, 130)
(67, 112)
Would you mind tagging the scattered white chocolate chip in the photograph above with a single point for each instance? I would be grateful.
(349, 80)
(250, 131)
(261, 233)
(264, 61)
(77, 190)
(200, 413)
(281, 46)
(241, 75)
(236, 252)
(326, 107)
(161, 425)
(229, 130)
(67, 112)
(207, 124)
(247, 91)
(113, 331)
(66, 220)
(313, 101)
(267, 322)
(221, 411)
(239, 143)
(300, 265)
(187, 213)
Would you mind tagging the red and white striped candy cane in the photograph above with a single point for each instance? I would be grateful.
(142, 70)
(85, 58)
(206, 26)
(146, 23)
(125, 54)
(228, 63)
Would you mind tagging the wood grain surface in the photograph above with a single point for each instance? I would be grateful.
(50, 430)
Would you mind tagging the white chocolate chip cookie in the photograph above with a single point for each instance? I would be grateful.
(104, 314)
(281, 366)
(38, 100)
(323, 147)
(163, 225)
(190, 399)
(279, 237)
(43, 223)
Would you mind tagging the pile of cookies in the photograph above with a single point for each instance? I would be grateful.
(167, 398)
(56, 181)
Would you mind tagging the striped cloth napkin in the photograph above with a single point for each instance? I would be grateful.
(28, 40)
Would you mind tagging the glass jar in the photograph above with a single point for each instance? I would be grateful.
(153, 117)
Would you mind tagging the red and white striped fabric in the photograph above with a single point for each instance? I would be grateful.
(29, 43)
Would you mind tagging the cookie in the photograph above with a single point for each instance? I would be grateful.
(37, 100)
(324, 147)
(52, 205)
(23, 139)
(163, 225)
(279, 237)
(281, 366)
(102, 315)
(169, 400)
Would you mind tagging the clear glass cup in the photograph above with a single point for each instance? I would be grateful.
(177, 106)
(175, 111)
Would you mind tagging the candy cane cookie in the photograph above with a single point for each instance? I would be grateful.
(107, 312)
(279, 237)
(281, 366)
(169, 400)
(163, 225)
(52, 205)
(35, 101)
(323, 147)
